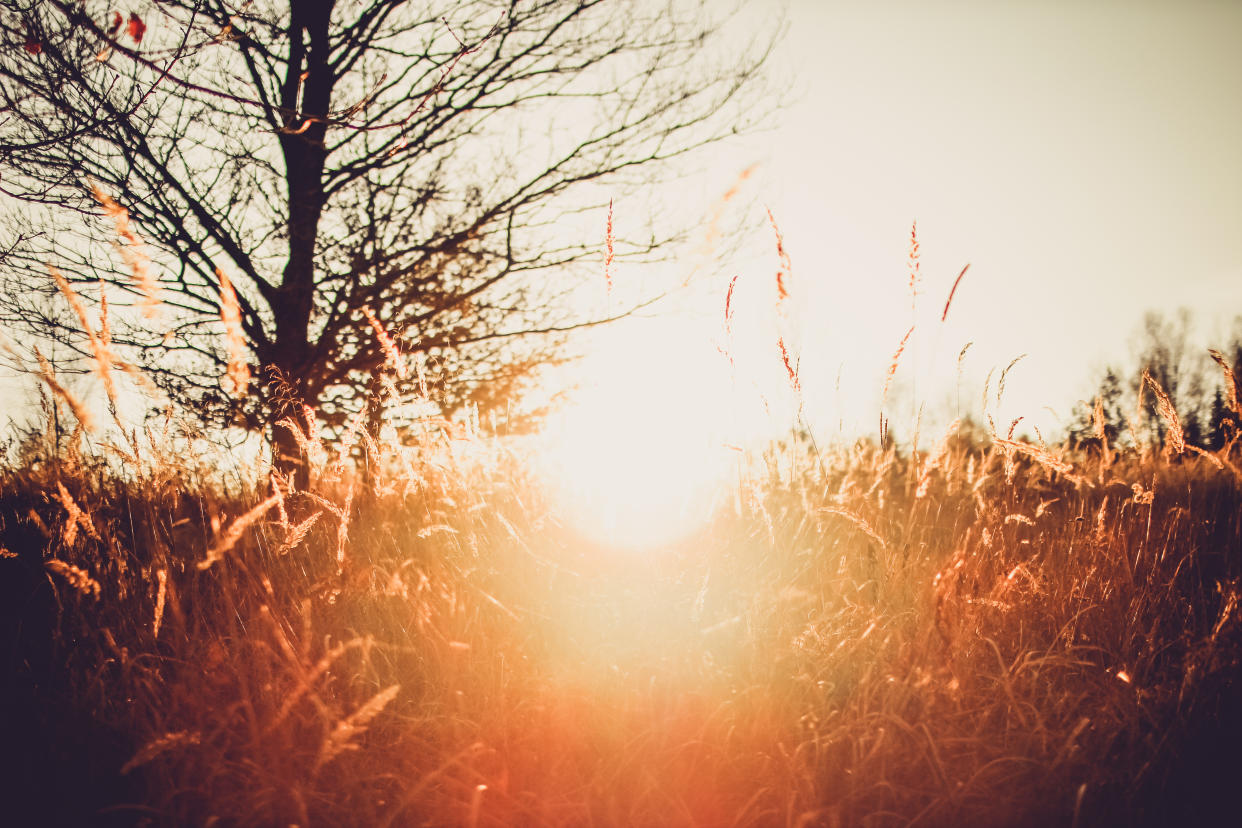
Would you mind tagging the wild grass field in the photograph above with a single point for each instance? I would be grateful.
(403, 625)
(989, 632)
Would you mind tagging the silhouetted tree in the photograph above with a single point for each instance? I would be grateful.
(1167, 354)
(1222, 424)
(1183, 370)
(407, 159)
(1082, 427)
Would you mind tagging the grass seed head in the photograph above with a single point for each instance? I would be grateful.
(785, 264)
(133, 251)
(237, 371)
(609, 241)
(1175, 439)
(77, 577)
(1231, 381)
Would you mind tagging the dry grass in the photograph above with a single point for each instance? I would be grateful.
(995, 633)
(237, 371)
(133, 251)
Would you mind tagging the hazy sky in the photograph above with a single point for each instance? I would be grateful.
(1083, 157)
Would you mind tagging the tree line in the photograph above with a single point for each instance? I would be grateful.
(324, 186)
(1196, 384)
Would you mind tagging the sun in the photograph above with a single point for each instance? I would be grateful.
(642, 455)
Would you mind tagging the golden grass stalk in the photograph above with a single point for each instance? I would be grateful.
(609, 241)
(913, 266)
(316, 452)
(1039, 454)
(421, 370)
(308, 440)
(77, 577)
(1175, 440)
(728, 308)
(375, 458)
(342, 527)
(229, 538)
(1134, 421)
(476, 805)
(237, 372)
(1000, 387)
(155, 747)
(987, 385)
(104, 359)
(892, 368)
(297, 533)
(349, 439)
(1101, 433)
(76, 517)
(105, 331)
(75, 301)
(1231, 382)
(713, 223)
(1214, 459)
(785, 263)
(342, 736)
(392, 355)
(161, 577)
(858, 521)
(1223, 457)
(794, 381)
(292, 426)
(99, 341)
(49, 377)
(280, 484)
(306, 677)
(952, 293)
(133, 252)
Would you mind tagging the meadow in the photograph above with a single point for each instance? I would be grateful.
(986, 631)
(959, 629)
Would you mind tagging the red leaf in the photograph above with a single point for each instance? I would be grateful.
(117, 20)
(136, 27)
(32, 45)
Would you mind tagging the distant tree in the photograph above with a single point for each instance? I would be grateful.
(339, 159)
(1110, 394)
(1165, 350)
(1222, 424)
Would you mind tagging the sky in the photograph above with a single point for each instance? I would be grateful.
(1081, 157)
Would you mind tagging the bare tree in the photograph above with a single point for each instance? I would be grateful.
(339, 161)
(1165, 349)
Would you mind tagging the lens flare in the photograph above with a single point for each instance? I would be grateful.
(638, 460)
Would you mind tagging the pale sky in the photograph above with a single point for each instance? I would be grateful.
(1083, 157)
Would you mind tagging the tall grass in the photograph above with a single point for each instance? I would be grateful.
(989, 633)
(992, 632)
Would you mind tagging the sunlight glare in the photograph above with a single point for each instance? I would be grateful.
(639, 457)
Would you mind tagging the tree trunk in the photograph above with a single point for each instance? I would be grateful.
(305, 99)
